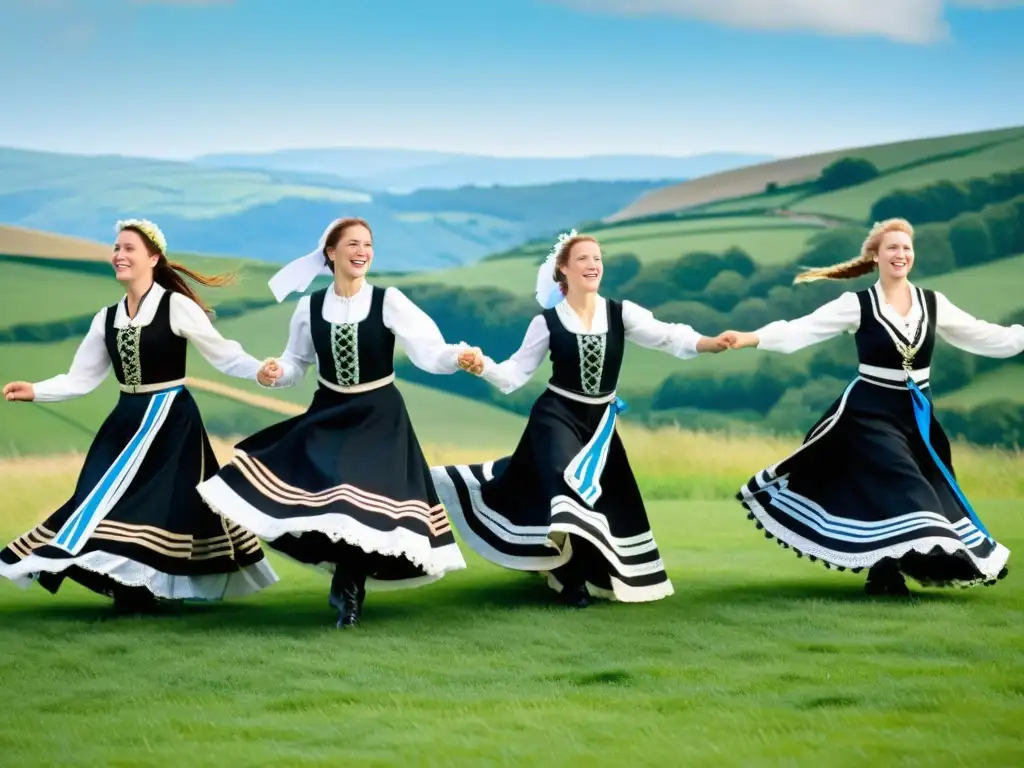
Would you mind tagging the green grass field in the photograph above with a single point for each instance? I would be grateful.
(758, 659)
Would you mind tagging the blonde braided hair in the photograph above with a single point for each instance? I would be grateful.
(865, 263)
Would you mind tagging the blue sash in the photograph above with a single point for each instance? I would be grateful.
(583, 474)
(923, 416)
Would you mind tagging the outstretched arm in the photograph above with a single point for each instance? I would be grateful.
(89, 368)
(513, 373)
(978, 337)
(190, 321)
(419, 335)
(841, 315)
(680, 340)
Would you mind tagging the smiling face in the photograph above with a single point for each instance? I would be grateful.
(353, 253)
(583, 267)
(895, 255)
(131, 260)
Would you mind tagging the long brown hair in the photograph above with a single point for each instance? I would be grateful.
(562, 258)
(331, 241)
(171, 275)
(865, 263)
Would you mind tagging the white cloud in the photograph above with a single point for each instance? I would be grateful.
(907, 21)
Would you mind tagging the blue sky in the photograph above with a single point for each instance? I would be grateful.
(506, 77)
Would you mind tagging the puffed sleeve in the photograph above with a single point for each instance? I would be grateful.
(299, 353)
(89, 368)
(970, 334)
(510, 375)
(419, 335)
(839, 316)
(190, 321)
(644, 329)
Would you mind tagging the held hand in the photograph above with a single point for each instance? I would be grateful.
(472, 360)
(739, 339)
(713, 345)
(269, 373)
(19, 390)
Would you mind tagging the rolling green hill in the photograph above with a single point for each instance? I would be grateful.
(807, 223)
(728, 265)
(898, 162)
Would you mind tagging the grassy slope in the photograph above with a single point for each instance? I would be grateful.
(48, 245)
(991, 291)
(75, 293)
(856, 202)
(749, 183)
(759, 658)
(1001, 384)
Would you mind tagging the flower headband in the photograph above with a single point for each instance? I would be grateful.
(549, 292)
(149, 229)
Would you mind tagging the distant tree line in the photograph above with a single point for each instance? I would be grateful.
(946, 200)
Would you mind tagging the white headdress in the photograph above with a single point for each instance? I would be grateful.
(151, 230)
(549, 292)
(297, 275)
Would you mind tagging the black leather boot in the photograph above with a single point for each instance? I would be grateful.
(133, 600)
(885, 579)
(574, 595)
(347, 595)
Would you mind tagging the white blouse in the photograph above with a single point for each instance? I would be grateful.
(842, 315)
(91, 363)
(641, 328)
(415, 331)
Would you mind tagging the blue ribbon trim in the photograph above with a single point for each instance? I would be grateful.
(590, 467)
(923, 416)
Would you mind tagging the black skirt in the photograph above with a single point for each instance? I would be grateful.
(520, 512)
(345, 480)
(136, 519)
(874, 481)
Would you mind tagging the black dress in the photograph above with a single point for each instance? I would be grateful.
(347, 480)
(135, 518)
(566, 501)
(873, 481)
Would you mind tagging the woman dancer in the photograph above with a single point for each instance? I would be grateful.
(566, 501)
(135, 528)
(345, 486)
(873, 486)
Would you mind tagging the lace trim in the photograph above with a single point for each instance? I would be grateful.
(216, 586)
(591, 349)
(398, 543)
(855, 563)
(345, 351)
(128, 349)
